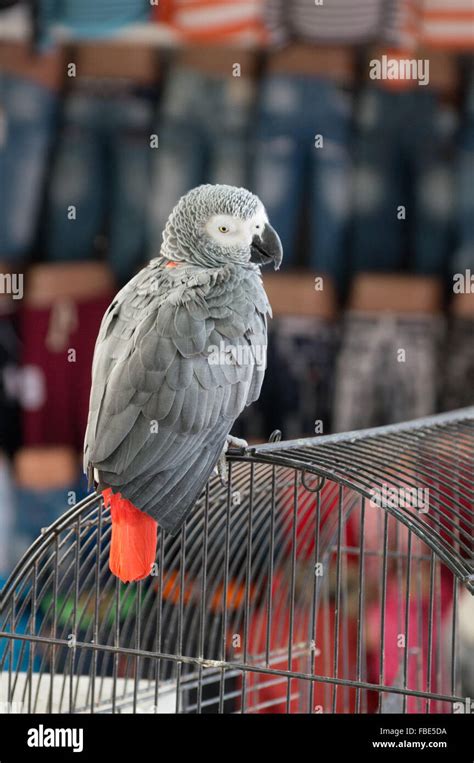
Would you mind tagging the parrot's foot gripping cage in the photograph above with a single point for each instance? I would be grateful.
(332, 574)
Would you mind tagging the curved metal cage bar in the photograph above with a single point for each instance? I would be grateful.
(328, 575)
(422, 472)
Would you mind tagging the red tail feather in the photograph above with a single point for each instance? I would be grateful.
(134, 537)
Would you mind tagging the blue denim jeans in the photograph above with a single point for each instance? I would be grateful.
(203, 137)
(27, 112)
(403, 158)
(291, 170)
(35, 509)
(102, 169)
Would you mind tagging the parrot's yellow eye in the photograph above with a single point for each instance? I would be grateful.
(223, 228)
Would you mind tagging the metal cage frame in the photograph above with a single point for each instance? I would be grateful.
(76, 640)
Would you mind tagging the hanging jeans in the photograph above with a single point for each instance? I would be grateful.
(402, 159)
(203, 137)
(293, 164)
(100, 178)
(27, 121)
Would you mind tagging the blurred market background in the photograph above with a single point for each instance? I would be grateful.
(111, 110)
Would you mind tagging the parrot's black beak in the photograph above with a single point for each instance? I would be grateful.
(267, 248)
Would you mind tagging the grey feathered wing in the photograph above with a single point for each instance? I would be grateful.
(160, 411)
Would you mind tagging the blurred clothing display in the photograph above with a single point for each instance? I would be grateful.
(203, 137)
(57, 349)
(463, 258)
(27, 120)
(362, 180)
(300, 377)
(205, 21)
(387, 370)
(403, 181)
(48, 483)
(89, 19)
(9, 354)
(100, 177)
(280, 695)
(458, 377)
(465, 663)
(302, 155)
(34, 510)
(302, 349)
(447, 25)
(422, 623)
(337, 21)
(440, 24)
(7, 512)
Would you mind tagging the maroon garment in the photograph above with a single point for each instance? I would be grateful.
(55, 389)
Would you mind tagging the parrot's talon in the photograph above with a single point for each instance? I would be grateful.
(236, 442)
(220, 468)
(222, 465)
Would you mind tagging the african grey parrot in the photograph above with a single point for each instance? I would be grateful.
(180, 352)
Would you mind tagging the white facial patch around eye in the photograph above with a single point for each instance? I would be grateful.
(226, 230)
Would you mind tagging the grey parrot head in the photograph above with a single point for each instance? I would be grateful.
(213, 225)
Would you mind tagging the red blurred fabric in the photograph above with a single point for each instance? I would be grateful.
(273, 698)
(55, 391)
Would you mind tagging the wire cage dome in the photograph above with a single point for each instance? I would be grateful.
(332, 574)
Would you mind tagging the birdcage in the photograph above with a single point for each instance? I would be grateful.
(332, 574)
